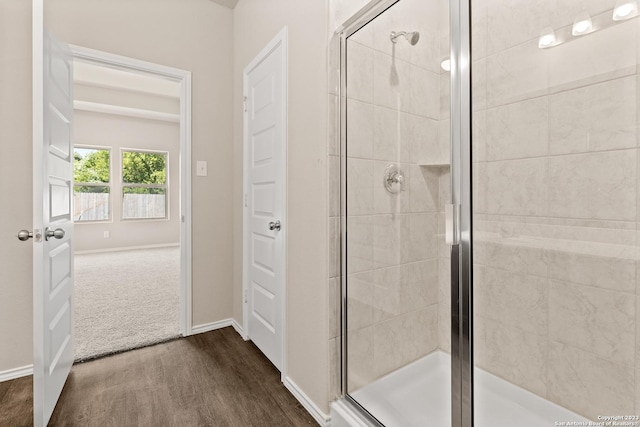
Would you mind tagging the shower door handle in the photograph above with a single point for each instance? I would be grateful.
(452, 219)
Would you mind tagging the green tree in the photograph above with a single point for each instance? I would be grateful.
(91, 166)
(144, 168)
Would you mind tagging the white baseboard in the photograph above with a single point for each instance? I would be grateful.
(321, 418)
(239, 329)
(12, 374)
(199, 329)
(129, 248)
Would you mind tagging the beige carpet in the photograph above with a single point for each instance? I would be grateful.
(125, 300)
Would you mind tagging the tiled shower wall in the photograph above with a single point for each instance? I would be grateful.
(394, 117)
(556, 204)
(556, 197)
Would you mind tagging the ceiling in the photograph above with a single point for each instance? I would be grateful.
(228, 3)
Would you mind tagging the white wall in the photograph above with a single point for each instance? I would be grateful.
(256, 22)
(162, 31)
(15, 184)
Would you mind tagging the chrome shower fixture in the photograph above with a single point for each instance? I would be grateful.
(411, 37)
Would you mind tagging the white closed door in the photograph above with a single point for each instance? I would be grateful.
(265, 192)
(53, 227)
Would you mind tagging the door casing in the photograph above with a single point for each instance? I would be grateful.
(184, 78)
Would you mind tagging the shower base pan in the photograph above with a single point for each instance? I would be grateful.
(418, 395)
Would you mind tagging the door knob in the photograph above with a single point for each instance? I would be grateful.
(24, 235)
(58, 233)
(274, 225)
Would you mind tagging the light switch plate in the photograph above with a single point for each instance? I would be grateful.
(201, 168)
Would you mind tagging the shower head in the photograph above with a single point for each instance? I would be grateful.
(411, 37)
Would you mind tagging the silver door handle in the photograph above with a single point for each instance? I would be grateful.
(274, 225)
(58, 233)
(24, 235)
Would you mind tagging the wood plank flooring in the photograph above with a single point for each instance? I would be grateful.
(210, 379)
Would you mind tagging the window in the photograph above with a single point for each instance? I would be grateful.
(144, 184)
(92, 184)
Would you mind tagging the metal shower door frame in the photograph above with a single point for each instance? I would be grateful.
(461, 252)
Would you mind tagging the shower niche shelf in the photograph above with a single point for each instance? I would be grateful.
(434, 164)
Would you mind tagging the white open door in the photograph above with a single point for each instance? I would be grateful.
(265, 198)
(52, 223)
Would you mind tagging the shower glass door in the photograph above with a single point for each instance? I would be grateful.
(555, 211)
(395, 153)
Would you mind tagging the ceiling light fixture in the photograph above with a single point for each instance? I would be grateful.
(625, 9)
(582, 25)
(547, 38)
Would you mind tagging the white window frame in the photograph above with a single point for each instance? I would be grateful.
(97, 184)
(165, 186)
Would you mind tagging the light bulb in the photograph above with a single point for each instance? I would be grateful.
(582, 25)
(446, 64)
(547, 38)
(625, 9)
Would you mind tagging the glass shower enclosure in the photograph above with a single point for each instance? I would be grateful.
(489, 200)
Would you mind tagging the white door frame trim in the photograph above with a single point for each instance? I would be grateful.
(280, 39)
(183, 77)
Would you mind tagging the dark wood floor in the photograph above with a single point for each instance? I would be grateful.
(210, 379)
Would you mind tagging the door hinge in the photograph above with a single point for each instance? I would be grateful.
(246, 200)
(182, 218)
(246, 298)
(245, 104)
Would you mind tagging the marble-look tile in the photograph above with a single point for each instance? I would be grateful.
(517, 74)
(335, 301)
(420, 136)
(334, 64)
(594, 118)
(511, 255)
(333, 139)
(511, 298)
(387, 135)
(387, 240)
(515, 187)
(598, 185)
(518, 130)
(359, 244)
(359, 129)
(603, 55)
(387, 289)
(444, 304)
(594, 320)
(334, 369)
(360, 357)
(334, 247)
(359, 72)
(445, 96)
(515, 355)
(588, 384)
(423, 189)
(480, 187)
(360, 182)
(479, 85)
(402, 86)
(443, 155)
(444, 191)
(511, 23)
(479, 137)
(614, 271)
(418, 237)
(405, 338)
(334, 186)
(360, 291)
(479, 29)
